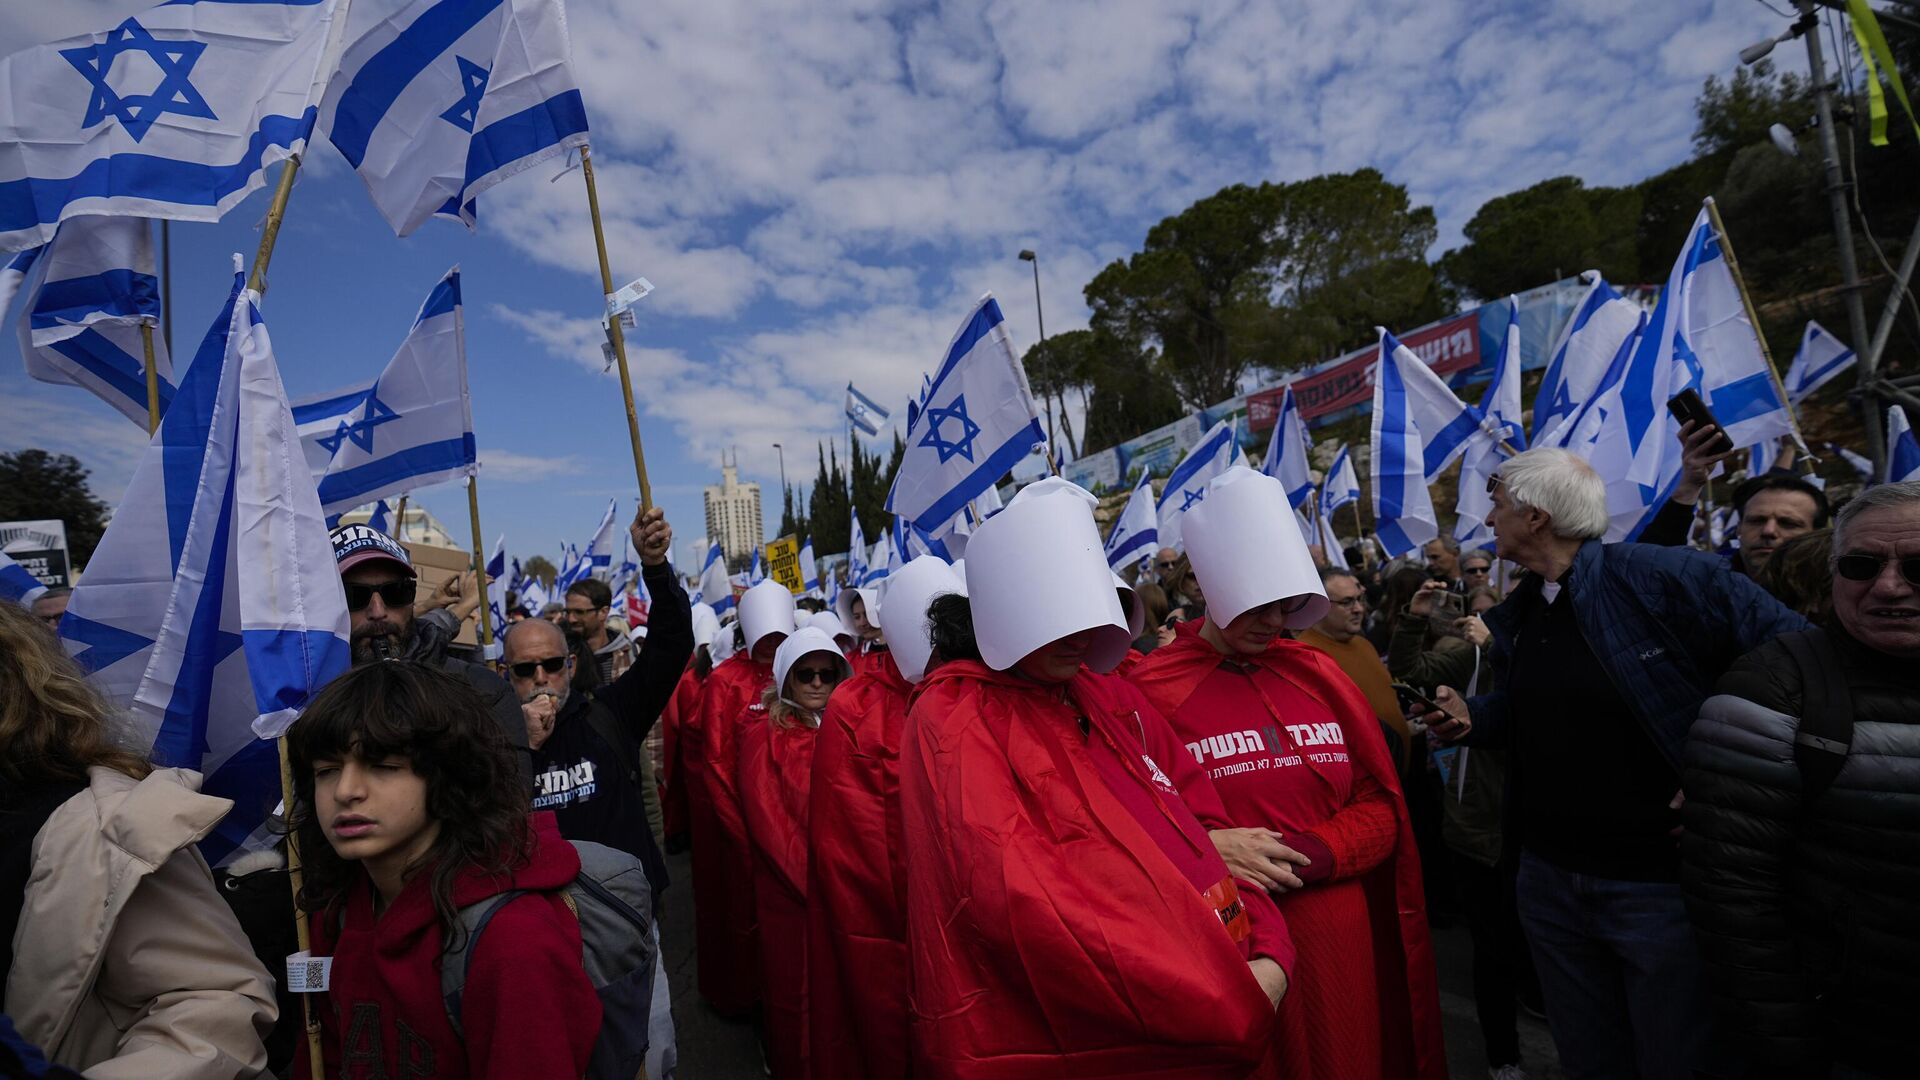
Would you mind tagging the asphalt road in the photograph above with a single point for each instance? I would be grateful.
(715, 1049)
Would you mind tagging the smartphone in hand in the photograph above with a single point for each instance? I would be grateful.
(1416, 706)
(1687, 406)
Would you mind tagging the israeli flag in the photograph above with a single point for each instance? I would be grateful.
(1286, 459)
(1860, 463)
(920, 542)
(93, 288)
(979, 421)
(1903, 452)
(1330, 543)
(598, 560)
(174, 113)
(210, 613)
(1580, 356)
(14, 273)
(1821, 357)
(755, 573)
(411, 427)
(1698, 337)
(378, 519)
(1501, 408)
(880, 562)
(1136, 532)
(865, 413)
(1402, 507)
(809, 569)
(1341, 484)
(573, 568)
(442, 99)
(535, 597)
(1187, 486)
(497, 582)
(856, 553)
(715, 590)
(1761, 456)
(16, 584)
(1602, 432)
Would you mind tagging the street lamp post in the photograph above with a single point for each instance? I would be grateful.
(1027, 255)
(783, 468)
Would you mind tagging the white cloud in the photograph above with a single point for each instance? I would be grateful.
(514, 468)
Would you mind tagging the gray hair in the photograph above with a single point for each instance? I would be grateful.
(1878, 497)
(1445, 541)
(1560, 484)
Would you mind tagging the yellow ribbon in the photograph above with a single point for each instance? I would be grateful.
(1873, 45)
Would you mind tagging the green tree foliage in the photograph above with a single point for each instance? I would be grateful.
(827, 507)
(538, 567)
(1554, 229)
(37, 485)
(1054, 367)
(793, 514)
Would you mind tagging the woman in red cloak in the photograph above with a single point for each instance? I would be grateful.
(725, 919)
(676, 721)
(858, 610)
(1070, 916)
(857, 888)
(776, 770)
(1293, 747)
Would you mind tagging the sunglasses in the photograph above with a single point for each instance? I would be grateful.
(1473, 570)
(1166, 565)
(551, 665)
(1867, 567)
(1493, 482)
(394, 594)
(824, 675)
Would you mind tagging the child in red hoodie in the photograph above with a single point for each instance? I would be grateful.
(407, 808)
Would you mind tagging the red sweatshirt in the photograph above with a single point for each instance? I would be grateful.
(857, 888)
(528, 1009)
(725, 920)
(1292, 745)
(776, 769)
(1059, 926)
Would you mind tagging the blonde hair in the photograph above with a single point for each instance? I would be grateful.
(53, 726)
(781, 713)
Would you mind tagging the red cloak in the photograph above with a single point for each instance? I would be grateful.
(725, 919)
(676, 720)
(1051, 933)
(857, 888)
(1318, 1020)
(776, 770)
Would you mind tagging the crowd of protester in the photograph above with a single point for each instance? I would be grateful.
(1019, 817)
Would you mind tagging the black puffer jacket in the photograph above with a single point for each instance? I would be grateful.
(1808, 911)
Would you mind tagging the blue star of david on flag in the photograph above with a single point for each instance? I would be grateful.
(463, 112)
(1189, 498)
(936, 418)
(361, 430)
(138, 112)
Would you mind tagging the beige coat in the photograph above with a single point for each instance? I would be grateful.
(126, 962)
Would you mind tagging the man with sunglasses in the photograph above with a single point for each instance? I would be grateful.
(381, 585)
(1803, 807)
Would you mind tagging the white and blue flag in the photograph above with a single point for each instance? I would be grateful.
(1761, 456)
(1820, 358)
(1586, 345)
(755, 572)
(856, 552)
(979, 421)
(880, 562)
(534, 597)
(497, 583)
(378, 519)
(1187, 485)
(14, 271)
(809, 569)
(1861, 464)
(1903, 452)
(715, 590)
(865, 413)
(411, 427)
(1136, 532)
(172, 113)
(1402, 507)
(438, 100)
(93, 288)
(16, 584)
(209, 613)
(1286, 459)
(1601, 432)
(1341, 485)
(599, 554)
(1501, 408)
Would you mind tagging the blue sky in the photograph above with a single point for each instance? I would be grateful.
(819, 191)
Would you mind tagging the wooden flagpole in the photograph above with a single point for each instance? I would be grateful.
(257, 281)
(1753, 319)
(614, 332)
(400, 519)
(153, 378)
(480, 567)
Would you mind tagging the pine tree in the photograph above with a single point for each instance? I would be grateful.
(827, 512)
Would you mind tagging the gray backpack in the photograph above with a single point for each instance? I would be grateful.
(614, 904)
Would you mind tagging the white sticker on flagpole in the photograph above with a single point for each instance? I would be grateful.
(307, 973)
(630, 294)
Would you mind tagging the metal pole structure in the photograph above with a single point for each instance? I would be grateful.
(1901, 282)
(1842, 231)
(778, 449)
(1040, 316)
(614, 333)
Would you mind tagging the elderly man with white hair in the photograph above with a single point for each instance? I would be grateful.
(1802, 851)
(1602, 657)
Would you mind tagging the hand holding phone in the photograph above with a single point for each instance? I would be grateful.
(1444, 713)
(1687, 407)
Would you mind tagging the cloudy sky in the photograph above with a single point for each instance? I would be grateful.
(819, 189)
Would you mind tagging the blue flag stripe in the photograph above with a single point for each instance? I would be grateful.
(63, 303)
(333, 406)
(1393, 448)
(984, 320)
(182, 738)
(384, 77)
(996, 465)
(34, 201)
(525, 133)
(188, 425)
(116, 367)
(414, 461)
(441, 301)
(251, 778)
(1195, 460)
(1744, 399)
